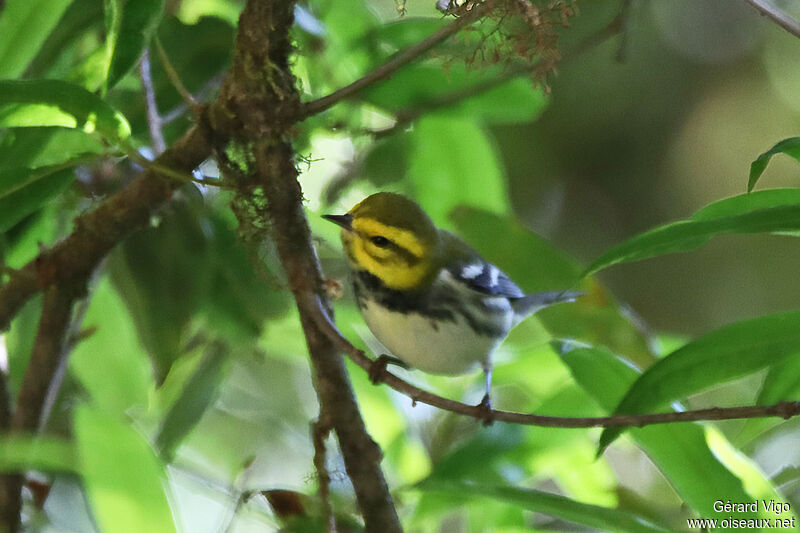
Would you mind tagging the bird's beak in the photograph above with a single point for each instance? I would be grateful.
(345, 221)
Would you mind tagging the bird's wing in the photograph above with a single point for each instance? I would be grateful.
(482, 276)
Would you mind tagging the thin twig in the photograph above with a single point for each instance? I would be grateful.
(783, 410)
(151, 107)
(395, 63)
(320, 430)
(778, 16)
(173, 76)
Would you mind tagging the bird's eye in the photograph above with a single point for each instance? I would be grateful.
(380, 241)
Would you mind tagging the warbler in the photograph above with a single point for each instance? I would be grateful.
(425, 294)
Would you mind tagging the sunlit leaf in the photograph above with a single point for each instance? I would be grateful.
(121, 377)
(125, 481)
(790, 147)
(24, 27)
(593, 516)
(722, 355)
(31, 103)
(24, 452)
(771, 211)
(454, 163)
(129, 26)
(678, 450)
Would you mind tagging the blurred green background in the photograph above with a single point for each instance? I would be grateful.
(197, 346)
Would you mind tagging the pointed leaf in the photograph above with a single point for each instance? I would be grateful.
(24, 26)
(198, 394)
(125, 482)
(31, 103)
(129, 26)
(790, 147)
(680, 451)
(25, 190)
(772, 211)
(592, 516)
(722, 355)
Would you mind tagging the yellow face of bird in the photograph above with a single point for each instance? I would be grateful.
(392, 238)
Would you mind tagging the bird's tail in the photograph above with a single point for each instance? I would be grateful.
(531, 303)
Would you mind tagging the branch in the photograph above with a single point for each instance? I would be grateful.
(395, 63)
(151, 107)
(320, 430)
(45, 357)
(260, 112)
(98, 231)
(768, 9)
(783, 410)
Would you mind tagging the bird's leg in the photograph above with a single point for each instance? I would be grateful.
(378, 367)
(486, 402)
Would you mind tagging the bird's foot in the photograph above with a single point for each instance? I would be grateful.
(487, 415)
(378, 368)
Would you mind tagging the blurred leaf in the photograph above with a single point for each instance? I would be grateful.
(771, 211)
(19, 341)
(80, 18)
(387, 160)
(782, 383)
(25, 190)
(24, 26)
(593, 516)
(722, 355)
(125, 482)
(241, 296)
(679, 451)
(477, 459)
(420, 86)
(24, 452)
(162, 274)
(129, 25)
(198, 394)
(30, 103)
(454, 163)
(790, 147)
(111, 364)
(538, 266)
(402, 33)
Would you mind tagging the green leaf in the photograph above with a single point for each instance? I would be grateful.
(25, 190)
(679, 451)
(24, 452)
(771, 211)
(790, 147)
(198, 394)
(125, 482)
(129, 26)
(454, 163)
(536, 265)
(110, 364)
(593, 516)
(722, 355)
(24, 26)
(31, 103)
(422, 87)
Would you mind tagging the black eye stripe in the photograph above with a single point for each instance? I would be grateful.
(380, 241)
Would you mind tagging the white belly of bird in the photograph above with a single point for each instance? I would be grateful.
(437, 347)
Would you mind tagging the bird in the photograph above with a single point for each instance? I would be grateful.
(427, 295)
